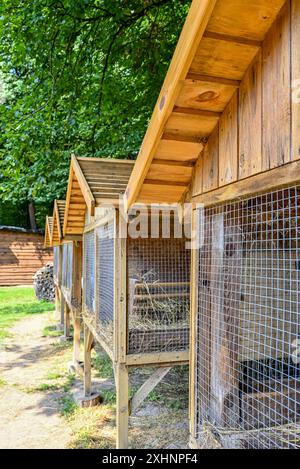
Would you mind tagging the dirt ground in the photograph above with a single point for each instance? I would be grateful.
(38, 398)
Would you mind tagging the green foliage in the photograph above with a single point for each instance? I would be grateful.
(103, 364)
(77, 76)
(68, 405)
(17, 303)
(12, 214)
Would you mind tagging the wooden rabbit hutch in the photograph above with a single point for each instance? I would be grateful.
(230, 107)
(67, 274)
(135, 298)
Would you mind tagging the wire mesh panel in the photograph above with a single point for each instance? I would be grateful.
(64, 264)
(105, 279)
(69, 266)
(158, 294)
(248, 356)
(89, 271)
(56, 256)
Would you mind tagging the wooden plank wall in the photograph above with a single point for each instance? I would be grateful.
(260, 128)
(21, 255)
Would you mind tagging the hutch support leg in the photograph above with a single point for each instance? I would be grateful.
(62, 309)
(76, 340)
(57, 303)
(122, 388)
(90, 399)
(67, 321)
(76, 365)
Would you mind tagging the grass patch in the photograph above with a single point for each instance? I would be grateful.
(103, 364)
(68, 406)
(17, 303)
(92, 428)
(51, 331)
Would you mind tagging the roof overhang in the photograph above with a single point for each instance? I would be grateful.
(58, 218)
(218, 43)
(48, 232)
(93, 182)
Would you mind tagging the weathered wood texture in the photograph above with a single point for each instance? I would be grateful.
(232, 66)
(21, 255)
(259, 130)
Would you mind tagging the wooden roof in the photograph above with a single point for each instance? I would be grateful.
(217, 45)
(58, 222)
(92, 182)
(48, 232)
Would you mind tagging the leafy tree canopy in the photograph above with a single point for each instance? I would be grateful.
(77, 76)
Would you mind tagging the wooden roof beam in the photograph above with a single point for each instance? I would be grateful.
(194, 27)
(196, 112)
(236, 39)
(223, 81)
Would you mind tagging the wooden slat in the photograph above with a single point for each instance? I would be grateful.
(188, 43)
(223, 59)
(276, 93)
(205, 95)
(197, 182)
(256, 184)
(250, 121)
(249, 20)
(211, 162)
(161, 171)
(228, 143)
(295, 59)
(158, 193)
(190, 125)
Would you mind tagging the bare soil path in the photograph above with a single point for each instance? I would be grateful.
(29, 418)
(38, 398)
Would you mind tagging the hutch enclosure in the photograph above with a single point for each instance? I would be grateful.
(225, 133)
(135, 300)
(67, 273)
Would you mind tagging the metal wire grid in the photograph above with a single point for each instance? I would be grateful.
(56, 250)
(69, 266)
(64, 264)
(158, 295)
(105, 279)
(248, 350)
(89, 271)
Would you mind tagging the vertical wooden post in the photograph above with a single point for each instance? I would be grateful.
(76, 339)
(57, 303)
(66, 320)
(62, 309)
(193, 330)
(88, 343)
(122, 410)
(120, 290)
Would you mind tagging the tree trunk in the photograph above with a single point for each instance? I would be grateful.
(31, 211)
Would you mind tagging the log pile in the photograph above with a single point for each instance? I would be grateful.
(43, 283)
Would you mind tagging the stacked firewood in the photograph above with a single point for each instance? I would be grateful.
(43, 283)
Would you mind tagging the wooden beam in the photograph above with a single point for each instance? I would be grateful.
(193, 331)
(159, 182)
(85, 189)
(257, 184)
(181, 138)
(195, 112)
(187, 46)
(122, 404)
(236, 39)
(88, 344)
(224, 81)
(148, 386)
(155, 358)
